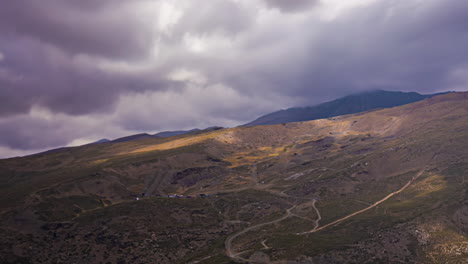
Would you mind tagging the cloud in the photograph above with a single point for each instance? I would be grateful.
(291, 6)
(6, 152)
(41, 129)
(109, 68)
(89, 27)
(219, 16)
(195, 106)
(384, 45)
(37, 74)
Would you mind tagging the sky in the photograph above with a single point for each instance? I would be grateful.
(76, 71)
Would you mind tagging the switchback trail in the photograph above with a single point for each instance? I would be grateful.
(315, 229)
(319, 217)
(265, 245)
(228, 244)
(236, 256)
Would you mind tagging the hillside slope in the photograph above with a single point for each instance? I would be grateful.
(387, 186)
(347, 105)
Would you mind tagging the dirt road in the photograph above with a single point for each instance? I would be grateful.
(319, 217)
(236, 256)
(315, 229)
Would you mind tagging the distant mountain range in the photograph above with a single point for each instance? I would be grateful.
(176, 133)
(351, 104)
(157, 135)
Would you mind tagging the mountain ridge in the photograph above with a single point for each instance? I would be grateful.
(294, 114)
(354, 103)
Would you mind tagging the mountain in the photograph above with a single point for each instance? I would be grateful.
(347, 105)
(175, 133)
(183, 132)
(104, 140)
(383, 186)
(133, 137)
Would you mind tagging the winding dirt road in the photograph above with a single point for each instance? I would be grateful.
(316, 228)
(319, 217)
(228, 243)
(236, 256)
(265, 245)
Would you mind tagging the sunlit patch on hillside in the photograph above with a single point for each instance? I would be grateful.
(430, 185)
(423, 193)
(99, 161)
(185, 141)
(246, 158)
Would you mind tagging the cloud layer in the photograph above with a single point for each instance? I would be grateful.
(76, 71)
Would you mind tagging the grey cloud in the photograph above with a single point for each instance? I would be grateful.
(365, 49)
(40, 75)
(40, 41)
(42, 129)
(102, 28)
(291, 5)
(26, 133)
(193, 106)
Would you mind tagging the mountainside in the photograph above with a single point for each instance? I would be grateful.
(347, 105)
(387, 186)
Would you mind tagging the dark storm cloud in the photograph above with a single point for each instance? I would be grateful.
(40, 41)
(291, 6)
(38, 74)
(24, 133)
(91, 27)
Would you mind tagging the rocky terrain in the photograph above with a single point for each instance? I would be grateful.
(387, 186)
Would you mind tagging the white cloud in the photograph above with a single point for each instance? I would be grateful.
(191, 76)
(167, 14)
(332, 9)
